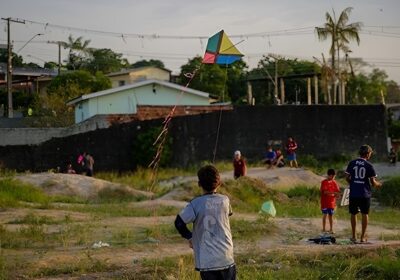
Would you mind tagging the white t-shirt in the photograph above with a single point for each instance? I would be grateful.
(212, 238)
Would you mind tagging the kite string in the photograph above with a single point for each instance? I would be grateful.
(220, 114)
(162, 137)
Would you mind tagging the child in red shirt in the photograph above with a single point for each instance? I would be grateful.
(329, 192)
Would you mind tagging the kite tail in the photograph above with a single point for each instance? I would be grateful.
(162, 137)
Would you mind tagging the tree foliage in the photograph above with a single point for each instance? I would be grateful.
(51, 110)
(78, 52)
(295, 87)
(226, 83)
(341, 33)
(150, 62)
(17, 60)
(367, 88)
(105, 60)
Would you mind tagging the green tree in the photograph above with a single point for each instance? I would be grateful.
(16, 61)
(368, 89)
(50, 65)
(150, 62)
(341, 33)
(105, 60)
(51, 109)
(295, 87)
(223, 82)
(78, 52)
(393, 92)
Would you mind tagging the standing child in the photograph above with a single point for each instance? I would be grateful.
(291, 148)
(329, 192)
(211, 239)
(239, 165)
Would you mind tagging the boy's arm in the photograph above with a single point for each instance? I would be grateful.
(182, 228)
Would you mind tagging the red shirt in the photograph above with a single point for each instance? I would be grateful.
(239, 167)
(328, 200)
(291, 147)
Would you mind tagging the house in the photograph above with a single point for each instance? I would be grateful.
(130, 76)
(126, 99)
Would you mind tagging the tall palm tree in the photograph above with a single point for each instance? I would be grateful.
(341, 33)
(77, 49)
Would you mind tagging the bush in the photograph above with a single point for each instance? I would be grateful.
(145, 151)
(389, 194)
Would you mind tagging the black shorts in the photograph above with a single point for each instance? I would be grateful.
(226, 274)
(359, 204)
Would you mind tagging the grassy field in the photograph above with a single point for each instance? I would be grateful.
(47, 237)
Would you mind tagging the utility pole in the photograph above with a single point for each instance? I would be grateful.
(10, 112)
(59, 43)
(276, 58)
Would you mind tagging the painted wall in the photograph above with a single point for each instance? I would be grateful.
(126, 101)
(140, 75)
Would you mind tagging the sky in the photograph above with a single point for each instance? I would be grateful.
(174, 31)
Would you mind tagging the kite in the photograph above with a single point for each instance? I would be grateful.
(220, 50)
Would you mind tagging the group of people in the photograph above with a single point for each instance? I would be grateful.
(85, 162)
(211, 238)
(271, 158)
(275, 158)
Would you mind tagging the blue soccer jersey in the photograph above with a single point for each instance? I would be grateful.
(360, 171)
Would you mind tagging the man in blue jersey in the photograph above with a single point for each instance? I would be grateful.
(361, 175)
(211, 238)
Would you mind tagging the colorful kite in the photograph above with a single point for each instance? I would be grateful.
(220, 50)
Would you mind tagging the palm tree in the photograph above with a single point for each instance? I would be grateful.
(341, 33)
(77, 50)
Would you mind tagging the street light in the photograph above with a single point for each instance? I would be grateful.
(27, 42)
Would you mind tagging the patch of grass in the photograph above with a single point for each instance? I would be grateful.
(6, 173)
(82, 265)
(251, 230)
(32, 219)
(304, 192)
(388, 237)
(387, 216)
(298, 209)
(25, 237)
(247, 194)
(122, 210)
(181, 267)
(320, 166)
(115, 195)
(13, 191)
(143, 178)
(389, 194)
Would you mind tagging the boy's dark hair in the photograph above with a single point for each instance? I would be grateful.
(208, 177)
(364, 150)
(331, 171)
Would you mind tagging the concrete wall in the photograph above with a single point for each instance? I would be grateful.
(320, 130)
(140, 74)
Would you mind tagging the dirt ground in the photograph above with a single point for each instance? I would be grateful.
(288, 233)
